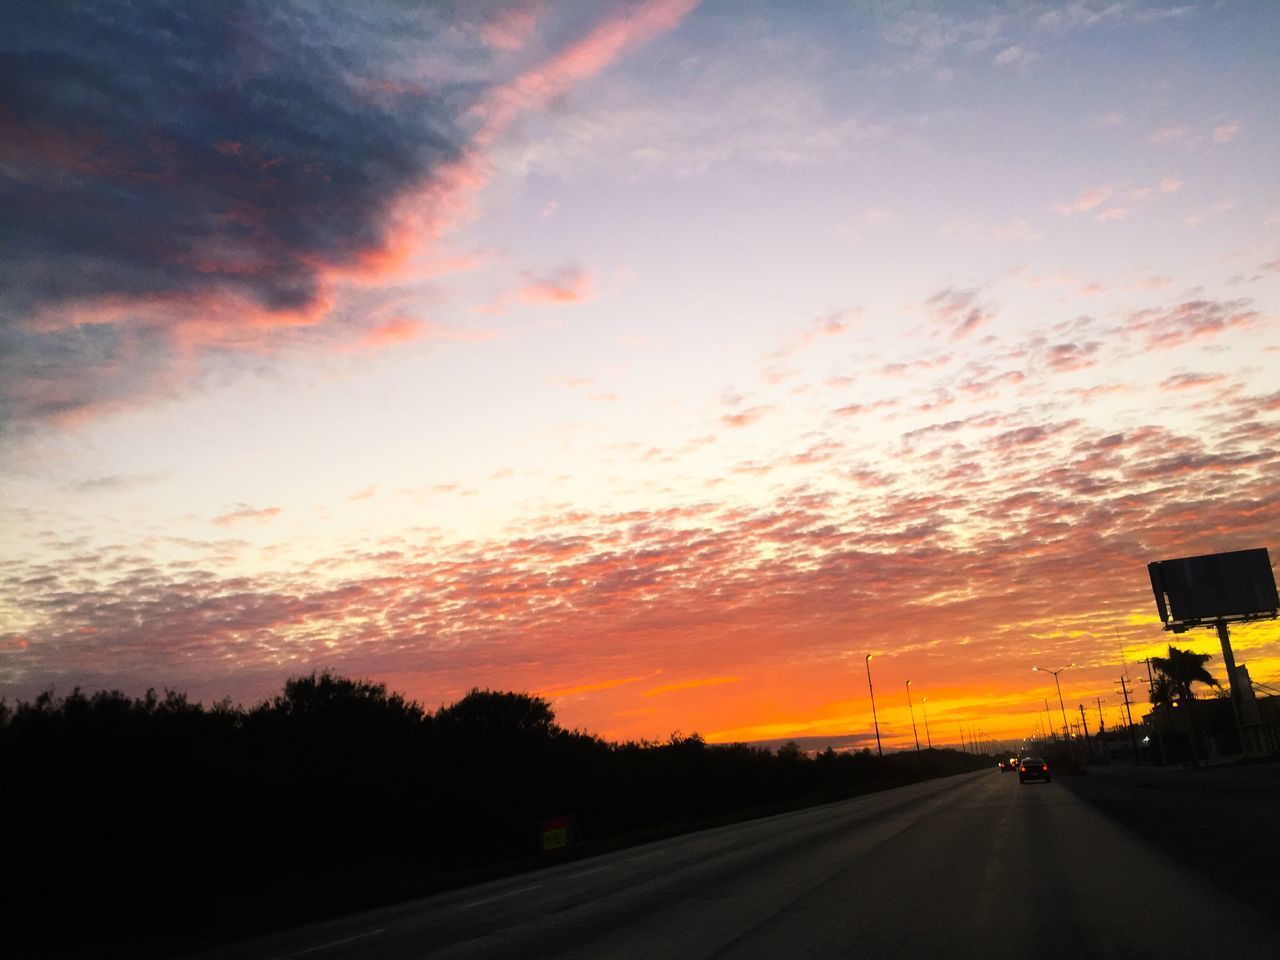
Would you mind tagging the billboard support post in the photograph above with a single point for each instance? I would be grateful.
(1213, 591)
(1233, 685)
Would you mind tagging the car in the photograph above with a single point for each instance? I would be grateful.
(1033, 768)
(1010, 764)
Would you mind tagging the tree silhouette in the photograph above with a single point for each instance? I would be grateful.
(1176, 674)
(501, 716)
(337, 795)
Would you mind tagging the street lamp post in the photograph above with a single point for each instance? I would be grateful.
(874, 718)
(923, 706)
(914, 732)
(1066, 730)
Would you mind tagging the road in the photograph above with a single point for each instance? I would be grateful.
(970, 866)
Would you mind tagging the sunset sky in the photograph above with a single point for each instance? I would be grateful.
(662, 358)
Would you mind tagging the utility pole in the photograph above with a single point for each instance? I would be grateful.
(924, 706)
(914, 732)
(1101, 723)
(1066, 728)
(1084, 725)
(874, 718)
(1158, 725)
(1133, 737)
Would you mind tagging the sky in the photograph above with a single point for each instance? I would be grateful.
(662, 358)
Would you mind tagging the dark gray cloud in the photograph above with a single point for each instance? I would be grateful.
(166, 150)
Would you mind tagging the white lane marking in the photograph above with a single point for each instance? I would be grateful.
(499, 896)
(528, 887)
(332, 943)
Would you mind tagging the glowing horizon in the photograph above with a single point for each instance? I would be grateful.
(662, 358)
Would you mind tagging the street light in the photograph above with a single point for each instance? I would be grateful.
(925, 709)
(914, 732)
(1066, 731)
(874, 718)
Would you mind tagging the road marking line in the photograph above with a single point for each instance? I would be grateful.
(332, 943)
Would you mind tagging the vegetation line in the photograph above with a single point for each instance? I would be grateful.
(158, 822)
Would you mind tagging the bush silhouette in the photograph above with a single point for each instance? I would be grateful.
(158, 821)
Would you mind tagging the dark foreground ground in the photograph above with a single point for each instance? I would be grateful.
(1222, 821)
(974, 866)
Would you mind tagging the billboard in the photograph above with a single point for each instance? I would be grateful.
(1232, 586)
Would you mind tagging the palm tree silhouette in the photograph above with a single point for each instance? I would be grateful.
(1175, 676)
(1177, 673)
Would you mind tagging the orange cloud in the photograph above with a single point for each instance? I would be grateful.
(596, 686)
(689, 685)
(395, 331)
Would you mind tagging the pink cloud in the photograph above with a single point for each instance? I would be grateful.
(684, 590)
(567, 284)
(582, 59)
(1190, 381)
(744, 418)
(1169, 135)
(1192, 320)
(244, 512)
(960, 311)
(1208, 213)
(395, 331)
(1087, 200)
(1226, 132)
(510, 29)
(1066, 357)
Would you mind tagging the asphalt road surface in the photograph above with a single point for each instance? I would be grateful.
(970, 866)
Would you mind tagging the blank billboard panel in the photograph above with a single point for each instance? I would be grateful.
(1228, 586)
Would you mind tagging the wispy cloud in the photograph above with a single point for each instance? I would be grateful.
(959, 311)
(691, 684)
(567, 284)
(243, 512)
(1226, 132)
(1014, 56)
(1210, 212)
(1087, 200)
(745, 418)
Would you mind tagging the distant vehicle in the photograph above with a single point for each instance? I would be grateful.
(1033, 768)
(1010, 764)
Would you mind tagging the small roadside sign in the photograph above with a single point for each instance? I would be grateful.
(557, 833)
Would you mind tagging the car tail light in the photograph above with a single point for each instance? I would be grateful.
(1045, 768)
(1022, 769)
